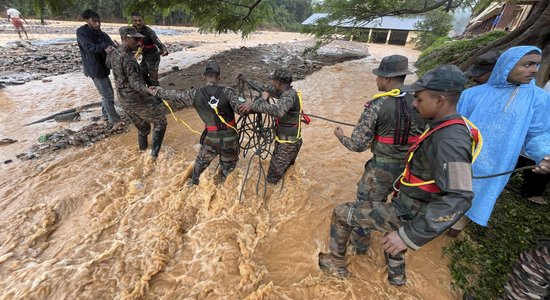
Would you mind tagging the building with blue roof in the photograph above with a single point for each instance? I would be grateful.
(384, 30)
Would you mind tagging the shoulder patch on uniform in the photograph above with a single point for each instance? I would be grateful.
(459, 175)
(369, 103)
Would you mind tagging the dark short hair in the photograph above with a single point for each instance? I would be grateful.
(135, 14)
(90, 14)
(451, 96)
(400, 78)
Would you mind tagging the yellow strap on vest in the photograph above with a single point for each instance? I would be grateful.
(138, 53)
(402, 177)
(178, 119)
(299, 134)
(223, 120)
(476, 149)
(392, 93)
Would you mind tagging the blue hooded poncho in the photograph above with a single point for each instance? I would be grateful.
(511, 118)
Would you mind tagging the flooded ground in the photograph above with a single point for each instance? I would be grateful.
(101, 222)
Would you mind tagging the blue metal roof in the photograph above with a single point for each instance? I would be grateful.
(394, 23)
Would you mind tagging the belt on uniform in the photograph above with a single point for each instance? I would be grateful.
(390, 140)
(215, 127)
(285, 137)
(149, 46)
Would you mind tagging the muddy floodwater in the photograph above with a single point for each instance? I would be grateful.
(103, 222)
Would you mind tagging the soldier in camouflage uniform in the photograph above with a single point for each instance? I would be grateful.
(152, 49)
(436, 188)
(215, 104)
(389, 126)
(132, 91)
(287, 111)
(530, 278)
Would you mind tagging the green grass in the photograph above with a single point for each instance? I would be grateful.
(445, 51)
(482, 257)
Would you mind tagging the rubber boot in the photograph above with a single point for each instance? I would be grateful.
(158, 136)
(142, 142)
(396, 269)
(333, 264)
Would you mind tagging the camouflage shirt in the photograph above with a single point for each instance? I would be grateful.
(128, 79)
(287, 108)
(151, 38)
(380, 118)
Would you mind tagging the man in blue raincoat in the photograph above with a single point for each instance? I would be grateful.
(512, 114)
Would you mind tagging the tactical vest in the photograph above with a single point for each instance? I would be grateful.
(398, 127)
(409, 179)
(287, 125)
(206, 112)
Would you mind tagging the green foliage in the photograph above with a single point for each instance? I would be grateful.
(481, 261)
(436, 24)
(445, 52)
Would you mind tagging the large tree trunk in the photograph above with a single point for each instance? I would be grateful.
(534, 31)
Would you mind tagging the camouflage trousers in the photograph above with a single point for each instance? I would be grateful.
(530, 277)
(368, 215)
(227, 148)
(284, 155)
(150, 68)
(142, 115)
(376, 185)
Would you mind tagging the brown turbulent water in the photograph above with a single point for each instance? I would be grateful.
(103, 222)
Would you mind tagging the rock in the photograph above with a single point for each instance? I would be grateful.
(60, 145)
(7, 161)
(7, 141)
(69, 117)
(46, 80)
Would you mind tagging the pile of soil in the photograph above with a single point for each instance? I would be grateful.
(22, 61)
(257, 62)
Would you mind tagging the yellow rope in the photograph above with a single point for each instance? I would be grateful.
(223, 120)
(178, 119)
(392, 93)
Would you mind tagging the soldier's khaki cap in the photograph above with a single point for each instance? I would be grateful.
(393, 66)
(129, 31)
(444, 79)
(484, 63)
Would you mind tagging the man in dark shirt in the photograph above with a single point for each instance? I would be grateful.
(94, 46)
(436, 186)
(151, 50)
